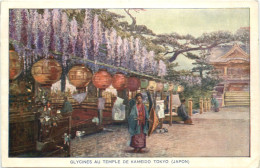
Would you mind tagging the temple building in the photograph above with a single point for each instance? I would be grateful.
(233, 66)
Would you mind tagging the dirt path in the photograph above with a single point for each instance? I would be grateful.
(225, 133)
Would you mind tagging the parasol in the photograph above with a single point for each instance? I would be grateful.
(153, 121)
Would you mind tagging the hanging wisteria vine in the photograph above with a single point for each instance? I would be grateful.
(53, 32)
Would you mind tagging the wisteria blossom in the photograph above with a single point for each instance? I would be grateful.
(18, 24)
(73, 35)
(52, 31)
(56, 24)
(125, 54)
(131, 53)
(144, 61)
(24, 26)
(88, 35)
(64, 36)
(191, 80)
(96, 39)
(113, 38)
(162, 68)
(119, 51)
(137, 56)
(30, 29)
(12, 20)
(46, 29)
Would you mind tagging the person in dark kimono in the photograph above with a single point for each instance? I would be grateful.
(138, 121)
(67, 107)
(214, 104)
(183, 114)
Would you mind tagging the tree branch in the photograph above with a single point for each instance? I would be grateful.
(173, 58)
(133, 19)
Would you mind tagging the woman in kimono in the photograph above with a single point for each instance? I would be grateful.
(215, 104)
(138, 124)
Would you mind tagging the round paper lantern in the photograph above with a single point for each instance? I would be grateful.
(144, 83)
(102, 79)
(79, 76)
(119, 81)
(165, 87)
(15, 67)
(46, 71)
(133, 83)
(175, 88)
(152, 85)
(180, 89)
(171, 87)
(159, 87)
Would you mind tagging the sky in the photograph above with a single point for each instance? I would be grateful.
(190, 21)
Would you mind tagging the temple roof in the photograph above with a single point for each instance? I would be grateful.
(227, 53)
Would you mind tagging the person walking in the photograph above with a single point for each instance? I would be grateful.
(138, 122)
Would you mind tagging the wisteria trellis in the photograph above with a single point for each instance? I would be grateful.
(52, 31)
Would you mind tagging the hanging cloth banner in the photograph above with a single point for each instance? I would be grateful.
(118, 110)
(101, 103)
(176, 100)
(160, 108)
(80, 97)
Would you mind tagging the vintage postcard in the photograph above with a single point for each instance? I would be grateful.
(130, 84)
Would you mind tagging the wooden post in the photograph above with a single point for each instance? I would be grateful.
(190, 106)
(100, 112)
(161, 120)
(201, 105)
(205, 105)
(69, 134)
(170, 108)
(210, 104)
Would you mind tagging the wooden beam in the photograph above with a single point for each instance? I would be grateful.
(170, 108)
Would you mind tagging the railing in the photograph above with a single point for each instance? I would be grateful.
(240, 77)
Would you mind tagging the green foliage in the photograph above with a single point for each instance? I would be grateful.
(124, 29)
(187, 45)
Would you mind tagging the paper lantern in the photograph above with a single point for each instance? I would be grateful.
(133, 83)
(15, 67)
(165, 87)
(171, 87)
(152, 85)
(180, 89)
(46, 71)
(119, 81)
(144, 83)
(159, 87)
(79, 76)
(102, 79)
(175, 88)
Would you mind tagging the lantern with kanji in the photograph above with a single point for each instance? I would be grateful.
(175, 88)
(119, 81)
(180, 89)
(133, 83)
(80, 76)
(46, 71)
(152, 85)
(102, 79)
(165, 87)
(159, 87)
(171, 87)
(15, 67)
(144, 83)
